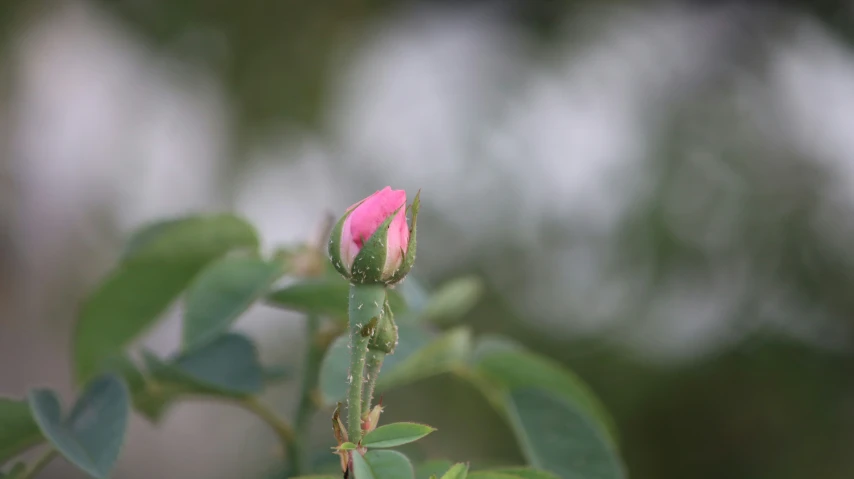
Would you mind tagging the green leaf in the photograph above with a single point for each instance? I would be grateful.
(520, 472)
(121, 365)
(416, 357)
(146, 234)
(334, 368)
(160, 264)
(492, 475)
(347, 446)
(513, 369)
(333, 371)
(559, 436)
(91, 436)
(150, 399)
(458, 471)
(453, 300)
(18, 430)
(325, 297)
(222, 292)
(145, 401)
(396, 434)
(489, 344)
(432, 467)
(154, 403)
(361, 469)
(388, 465)
(228, 366)
(442, 355)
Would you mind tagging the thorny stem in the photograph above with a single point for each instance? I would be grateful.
(366, 304)
(374, 364)
(316, 345)
(40, 464)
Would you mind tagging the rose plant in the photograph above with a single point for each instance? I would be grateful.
(367, 331)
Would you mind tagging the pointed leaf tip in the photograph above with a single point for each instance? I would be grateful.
(396, 434)
(457, 471)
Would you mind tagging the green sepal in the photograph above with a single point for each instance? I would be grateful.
(338, 428)
(385, 337)
(369, 263)
(335, 245)
(409, 258)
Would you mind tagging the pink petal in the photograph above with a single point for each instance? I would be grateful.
(367, 216)
(398, 242)
(349, 248)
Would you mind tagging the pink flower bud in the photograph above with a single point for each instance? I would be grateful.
(382, 261)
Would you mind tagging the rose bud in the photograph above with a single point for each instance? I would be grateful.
(372, 243)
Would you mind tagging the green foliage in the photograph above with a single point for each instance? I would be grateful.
(213, 261)
(435, 467)
(396, 434)
(493, 475)
(411, 338)
(161, 262)
(561, 437)
(227, 366)
(453, 300)
(223, 291)
(361, 468)
(443, 355)
(92, 434)
(514, 369)
(333, 372)
(518, 472)
(334, 369)
(458, 471)
(384, 464)
(149, 398)
(503, 370)
(323, 296)
(18, 430)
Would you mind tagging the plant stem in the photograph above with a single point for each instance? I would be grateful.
(281, 428)
(316, 347)
(374, 364)
(40, 464)
(366, 303)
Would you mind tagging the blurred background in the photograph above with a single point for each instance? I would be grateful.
(658, 194)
